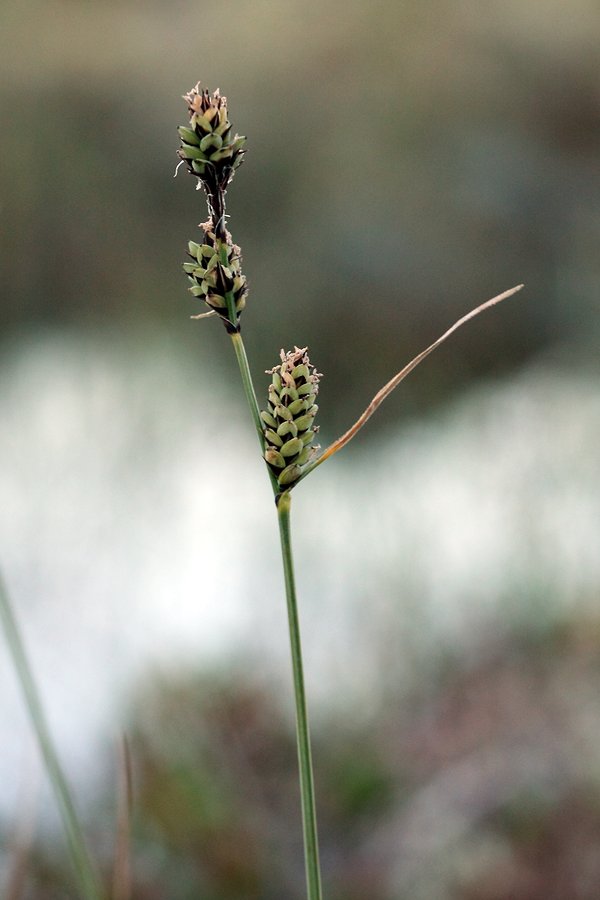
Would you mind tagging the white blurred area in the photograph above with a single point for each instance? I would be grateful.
(137, 535)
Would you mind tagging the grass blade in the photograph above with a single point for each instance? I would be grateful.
(393, 383)
(90, 888)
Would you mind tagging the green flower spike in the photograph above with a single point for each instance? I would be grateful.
(288, 421)
(215, 273)
(209, 150)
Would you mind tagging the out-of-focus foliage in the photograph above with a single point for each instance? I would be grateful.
(481, 785)
(405, 161)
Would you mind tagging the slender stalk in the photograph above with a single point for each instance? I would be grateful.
(240, 352)
(89, 885)
(307, 791)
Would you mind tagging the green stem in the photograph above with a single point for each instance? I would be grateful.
(307, 791)
(240, 352)
(309, 814)
(90, 888)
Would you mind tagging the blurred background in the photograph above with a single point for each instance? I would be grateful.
(406, 161)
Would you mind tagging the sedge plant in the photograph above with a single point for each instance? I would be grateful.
(285, 426)
(286, 430)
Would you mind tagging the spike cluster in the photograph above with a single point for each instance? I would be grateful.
(212, 154)
(207, 146)
(216, 272)
(289, 418)
(209, 150)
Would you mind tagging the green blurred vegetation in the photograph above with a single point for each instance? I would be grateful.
(406, 161)
(481, 783)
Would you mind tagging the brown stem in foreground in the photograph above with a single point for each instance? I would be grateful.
(122, 879)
